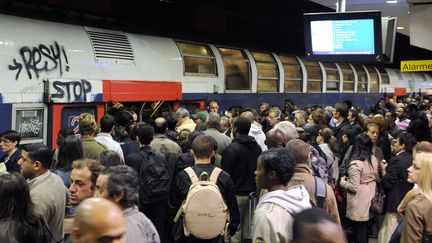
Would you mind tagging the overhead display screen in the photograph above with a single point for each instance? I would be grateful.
(343, 37)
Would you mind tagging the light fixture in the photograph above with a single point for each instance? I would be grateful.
(400, 27)
(391, 1)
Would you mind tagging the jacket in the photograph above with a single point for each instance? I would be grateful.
(273, 217)
(92, 148)
(257, 133)
(139, 228)
(239, 160)
(340, 130)
(418, 223)
(221, 139)
(181, 186)
(11, 162)
(188, 124)
(394, 182)
(419, 128)
(303, 176)
(360, 185)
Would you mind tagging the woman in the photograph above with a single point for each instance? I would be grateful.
(18, 221)
(70, 149)
(9, 141)
(328, 144)
(418, 214)
(360, 186)
(318, 117)
(356, 122)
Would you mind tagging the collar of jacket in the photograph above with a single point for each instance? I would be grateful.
(303, 168)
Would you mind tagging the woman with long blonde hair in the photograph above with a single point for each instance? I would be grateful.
(418, 214)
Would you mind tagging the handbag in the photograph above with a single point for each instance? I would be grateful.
(378, 201)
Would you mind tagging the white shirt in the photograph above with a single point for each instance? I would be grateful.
(107, 140)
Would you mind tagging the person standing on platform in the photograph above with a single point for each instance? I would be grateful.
(213, 106)
(9, 141)
(184, 120)
(212, 130)
(87, 127)
(104, 136)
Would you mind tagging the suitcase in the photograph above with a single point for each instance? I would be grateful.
(252, 204)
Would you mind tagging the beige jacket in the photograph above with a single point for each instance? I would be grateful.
(303, 176)
(360, 185)
(418, 221)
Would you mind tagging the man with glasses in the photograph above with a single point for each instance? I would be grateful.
(9, 141)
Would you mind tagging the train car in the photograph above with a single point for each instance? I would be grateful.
(52, 72)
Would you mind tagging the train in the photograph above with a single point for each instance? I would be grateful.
(52, 72)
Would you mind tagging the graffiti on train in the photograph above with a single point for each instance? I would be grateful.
(31, 128)
(34, 60)
(71, 91)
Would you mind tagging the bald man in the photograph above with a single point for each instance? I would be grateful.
(98, 220)
(275, 138)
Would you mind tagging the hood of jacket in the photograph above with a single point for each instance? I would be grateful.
(294, 200)
(245, 140)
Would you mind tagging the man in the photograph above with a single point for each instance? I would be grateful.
(213, 106)
(161, 143)
(402, 120)
(200, 117)
(274, 116)
(225, 126)
(104, 136)
(300, 118)
(184, 121)
(118, 184)
(47, 191)
(273, 215)
(87, 127)
(275, 138)
(98, 220)
(154, 208)
(303, 176)
(239, 161)
(256, 130)
(83, 179)
(315, 225)
(9, 141)
(202, 151)
(263, 107)
(212, 130)
(419, 125)
(340, 113)
(394, 182)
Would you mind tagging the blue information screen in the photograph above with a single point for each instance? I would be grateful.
(343, 37)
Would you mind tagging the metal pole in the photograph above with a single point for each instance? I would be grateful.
(340, 6)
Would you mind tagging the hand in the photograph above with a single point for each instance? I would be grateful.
(383, 166)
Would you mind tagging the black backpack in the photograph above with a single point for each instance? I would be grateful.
(154, 178)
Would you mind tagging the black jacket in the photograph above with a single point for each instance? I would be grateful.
(239, 160)
(181, 187)
(340, 130)
(419, 128)
(394, 182)
(12, 163)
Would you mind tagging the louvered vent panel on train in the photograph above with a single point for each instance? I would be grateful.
(110, 46)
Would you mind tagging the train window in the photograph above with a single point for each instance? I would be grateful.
(332, 76)
(268, 74)
(29, 122)
(314, 74)
(237, 68)
(197, 59)
(293, 74)
(374, 81)
(348, 77)
(361, 78)
(384, 75)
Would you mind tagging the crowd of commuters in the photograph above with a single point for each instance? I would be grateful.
(314, 172)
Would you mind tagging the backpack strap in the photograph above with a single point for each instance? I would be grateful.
(215, 174)
(192, 175)
(320, 191)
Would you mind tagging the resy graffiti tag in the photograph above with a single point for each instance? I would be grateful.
(42, 58)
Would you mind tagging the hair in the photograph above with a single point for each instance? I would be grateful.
(11, 135)
(329, 138)
(298, 149)
(381, 122)
(318, 116)
(423, 147)
(87, 124)
(362, 148)
(408, 140)
(144, 132)
(160, 126)
(70, 149)
(94, 166)
(106, 123)
(182, 112)
(172, 120)
(213, 120)
(424, 180)
(122, 179)
(369, 125)
(202, 147)
(342, 108)
(39, 152)
(275, 138)
(277, 112)
(279, 160)
(124, 117)
(307, 217)
(288, 128)
(17, 206)
(243, 125)
(212, 101)
(109, 158)
(356, 114)
(248, 115)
